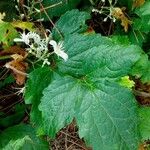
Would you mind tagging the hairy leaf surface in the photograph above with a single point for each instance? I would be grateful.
(71, 22)
(105, 112)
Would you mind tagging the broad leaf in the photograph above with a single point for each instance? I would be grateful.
(91, 54)
(144, 127)
(38, 80)
(20, 134)
(105, 111)
(71, 22)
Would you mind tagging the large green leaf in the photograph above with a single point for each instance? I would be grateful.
(38, 80)
(71, 22)
(144, 114)
(21, 134)
(91, 54)
(143, 23)
(105, 112)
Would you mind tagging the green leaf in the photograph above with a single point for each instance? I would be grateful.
(20, 134)
(71, 22)
(55, 8)
(18, 144)
(7, 34)
(144, 127)
(38, 80)
(142, 69)
(118, 39)
(106, 112)
(143, 23)
(89, 54)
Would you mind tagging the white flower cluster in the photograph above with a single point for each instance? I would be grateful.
(39, 47)
(108, 11)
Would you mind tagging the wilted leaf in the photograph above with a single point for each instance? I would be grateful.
(118, 14)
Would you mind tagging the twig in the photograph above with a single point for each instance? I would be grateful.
(141, 93)
(77, 145)
(50, 20)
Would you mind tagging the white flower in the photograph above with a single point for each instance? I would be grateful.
(59, 49)
(23, 38)
(29, 38)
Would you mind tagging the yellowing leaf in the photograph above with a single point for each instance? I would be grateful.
(23, 25)
(118, 14)
(138, 3)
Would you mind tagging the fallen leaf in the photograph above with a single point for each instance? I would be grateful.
(18, 65)
(138, 3)
(118, 14)
(13, 50)
(19, 70)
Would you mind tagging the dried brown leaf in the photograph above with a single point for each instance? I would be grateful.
(18, 64)
(118, 14)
